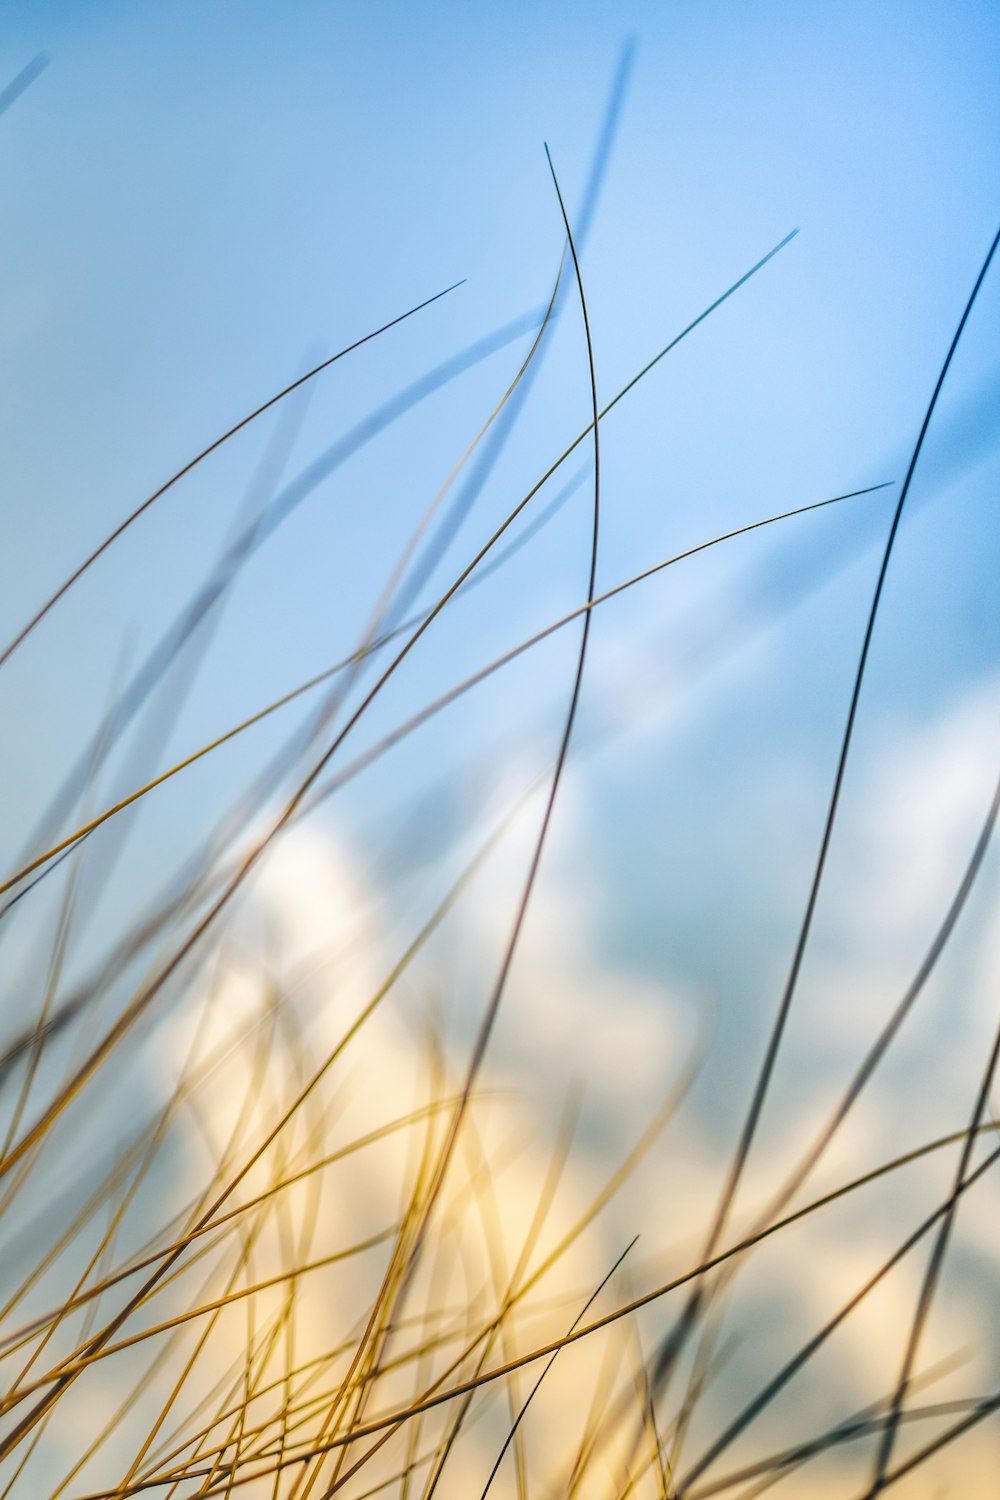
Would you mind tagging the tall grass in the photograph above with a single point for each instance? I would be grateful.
(278, 1220)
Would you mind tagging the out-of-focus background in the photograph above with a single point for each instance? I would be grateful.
(203, 202)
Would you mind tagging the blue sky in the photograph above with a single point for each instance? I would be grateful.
(201, 201)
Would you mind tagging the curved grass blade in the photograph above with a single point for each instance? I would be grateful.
(151, 500)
